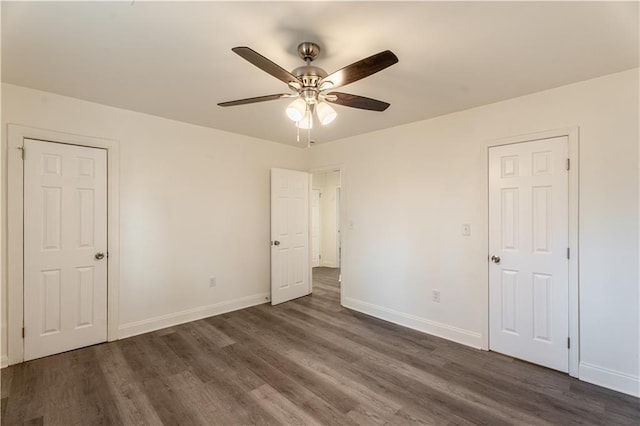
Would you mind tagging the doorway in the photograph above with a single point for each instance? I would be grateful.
(327, 184)
(92, 307)
(529, 304)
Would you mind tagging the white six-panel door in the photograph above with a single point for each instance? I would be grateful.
(289, 235)
(65, 226)
(528, 241)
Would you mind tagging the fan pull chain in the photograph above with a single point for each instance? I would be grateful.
(297, 133)
(309, 137)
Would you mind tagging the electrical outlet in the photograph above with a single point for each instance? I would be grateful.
(212, 282)
(435, 296)
(466, 229)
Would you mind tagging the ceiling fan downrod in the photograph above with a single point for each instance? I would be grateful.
(308, 51)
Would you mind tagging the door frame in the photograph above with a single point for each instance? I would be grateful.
(311, 224)
(572, 134)
(15, 221)
(338, 224)
(337, 167)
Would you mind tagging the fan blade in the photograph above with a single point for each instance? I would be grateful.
(361, 69)
(266, 65)
(254, 100)
(355, 101)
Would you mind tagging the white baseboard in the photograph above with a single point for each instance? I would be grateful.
(459, 335)
(169, 320)
(610, 379)
(4, 361)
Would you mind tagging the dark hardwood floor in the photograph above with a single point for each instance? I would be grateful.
(305, 362)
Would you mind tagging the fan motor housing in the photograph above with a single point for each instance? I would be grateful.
(309, 75)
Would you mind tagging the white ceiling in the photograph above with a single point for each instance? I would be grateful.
(174, 60)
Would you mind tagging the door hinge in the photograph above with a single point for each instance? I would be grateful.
(23, 332)
(319, 194)
(21, 148)
(568, 163)
(568, 253)
(568, 342)
(319, 256)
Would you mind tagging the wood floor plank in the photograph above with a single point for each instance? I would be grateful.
(370, 403)
(305, 362)
(17, 406)
(132, 404)
(155, 377)
(321, 398)
(460, 395)
(366, 343)
(281, 408)
(372, 331)
(289, 335)
(552, 408)
(402, 418)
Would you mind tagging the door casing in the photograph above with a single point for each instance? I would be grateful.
(339, 167)
(338, 221)
(15, 220)
(315, 220)
(572, 134)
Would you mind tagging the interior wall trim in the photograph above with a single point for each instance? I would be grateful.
(611, 379)
(175, 318)
(449, 332)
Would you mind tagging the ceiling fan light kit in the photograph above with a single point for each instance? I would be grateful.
(296, 109)
(307, 121)
(326, 114)
(311, 85)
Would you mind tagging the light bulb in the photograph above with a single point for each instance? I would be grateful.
(307, 121)
(326, 114)
(297, 109)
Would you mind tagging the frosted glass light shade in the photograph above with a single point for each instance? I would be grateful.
(296, 109)
(326, 114)
(307, 121)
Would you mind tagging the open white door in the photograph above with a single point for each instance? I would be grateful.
(528, 243)
(65, 243)
(289, 235)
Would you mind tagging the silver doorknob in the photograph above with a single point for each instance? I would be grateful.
(99, 255)
(276, 243)
(495, 259)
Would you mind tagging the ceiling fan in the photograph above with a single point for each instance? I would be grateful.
(312, 87)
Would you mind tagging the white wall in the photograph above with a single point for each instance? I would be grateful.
(407, 190)
(327, 183)
(194, 204)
